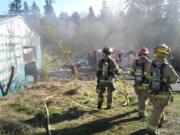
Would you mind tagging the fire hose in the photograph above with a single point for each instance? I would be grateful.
(125, 94)
(48, 124)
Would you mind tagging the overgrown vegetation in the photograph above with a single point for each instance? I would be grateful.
(45, 68)
(72, 107)
(140, 23)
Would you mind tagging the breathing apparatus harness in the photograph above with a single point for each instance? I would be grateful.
(105, 72)
(140, 77)
(157, 83)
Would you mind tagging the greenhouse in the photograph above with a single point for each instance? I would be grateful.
(20, 53)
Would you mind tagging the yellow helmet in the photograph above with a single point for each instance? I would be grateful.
(163, 49)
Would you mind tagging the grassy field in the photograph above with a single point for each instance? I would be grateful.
(72, 108)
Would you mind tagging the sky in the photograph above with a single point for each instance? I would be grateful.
(69, 6)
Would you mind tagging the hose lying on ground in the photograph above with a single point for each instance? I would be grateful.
(48, 124)
(125, 94)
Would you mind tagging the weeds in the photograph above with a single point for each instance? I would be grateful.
(24, 113)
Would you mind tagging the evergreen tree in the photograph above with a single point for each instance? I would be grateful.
(172, 25)
(145, 23)
(34, 17)
(26, 8)
(91, 15)
(173, 10)
(15, 7)
(105, 11)
(35, 9)
(75, 18)
(64, 17)
(48, 8)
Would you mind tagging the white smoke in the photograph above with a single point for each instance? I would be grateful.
(116, 5)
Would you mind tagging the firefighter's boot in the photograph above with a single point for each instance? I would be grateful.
(99, 106)
(100, 100)
(109, 100)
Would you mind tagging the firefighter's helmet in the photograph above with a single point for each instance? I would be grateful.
(162, 51)
(143, 51)
(107, 50)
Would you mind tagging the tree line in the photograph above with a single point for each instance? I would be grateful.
(141, 23)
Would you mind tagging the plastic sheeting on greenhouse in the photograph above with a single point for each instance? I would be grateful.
(19, 45)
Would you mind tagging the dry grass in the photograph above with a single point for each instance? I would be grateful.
(72, 106)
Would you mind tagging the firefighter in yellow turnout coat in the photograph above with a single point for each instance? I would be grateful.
(107, 68)
(141, 86)
(162, 74)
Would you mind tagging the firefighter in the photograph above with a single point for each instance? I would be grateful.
(141, 86)
(162, 74)
(107, 68)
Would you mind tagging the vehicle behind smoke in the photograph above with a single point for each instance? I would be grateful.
(123, 59)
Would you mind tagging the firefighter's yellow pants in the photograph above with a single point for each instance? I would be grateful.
(160, 101)
(143, 96)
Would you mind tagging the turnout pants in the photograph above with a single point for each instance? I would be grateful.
(143, 96)
(102, 88)
(160, 101)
